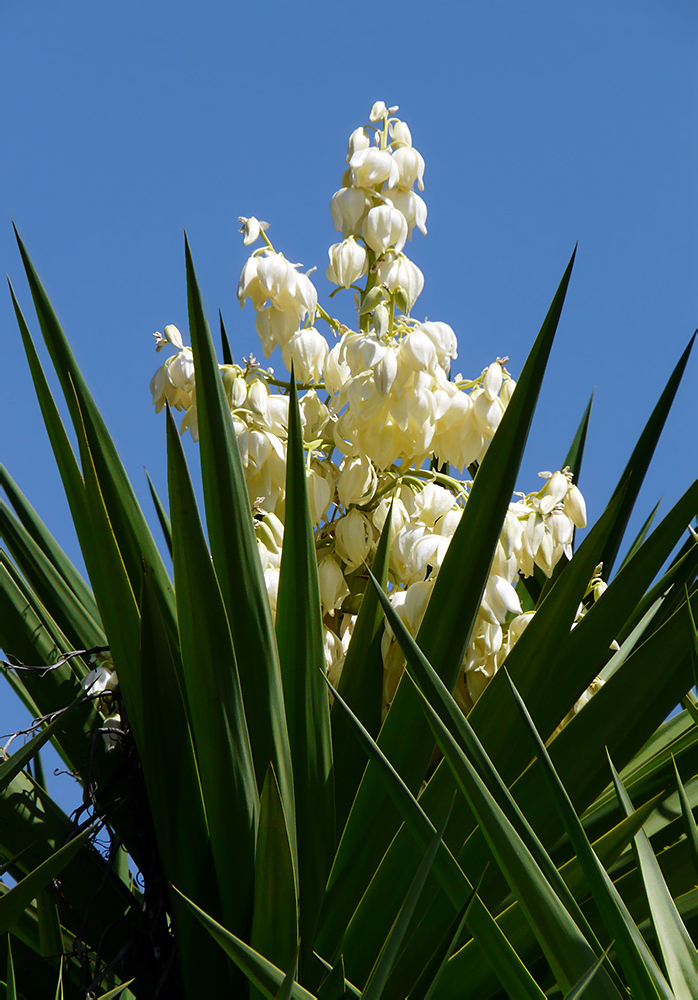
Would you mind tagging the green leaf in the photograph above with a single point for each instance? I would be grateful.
(112, 994)
(644, 977)
(275, 920)
(10, 988)
(130, 528)
(573, 459)
(641, 535)
(301, 655)
(677, 949)
(689, 822)
(14, 902)
(48, 544)
(261, 972)
(335, 986)
(443, 636)
(234, 552)
(633, 475)
(163, 517)
(512, 972)
(361, 684)
(373, 990)
(214, 696)
(580, 987)
(50, 934)
(81, 628)
(225, 343)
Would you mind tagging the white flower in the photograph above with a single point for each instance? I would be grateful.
(357, 140)
(400, 133)
(411, 206)
(444, 340)
(410, 167)
(100, 680)
(348, 208)
(333, 586)
(357, 481)
(385, 228)
(348, 263)
(307, 350)
(251, 228)
(275, 327)
(370, 167)
(400, 272)
(353, 538)
(378, 111)
(575, 507)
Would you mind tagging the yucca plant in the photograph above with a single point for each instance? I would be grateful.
(383, 812)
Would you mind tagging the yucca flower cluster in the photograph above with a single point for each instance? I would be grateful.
(385, 423)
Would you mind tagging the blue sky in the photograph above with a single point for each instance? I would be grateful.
(542, 124)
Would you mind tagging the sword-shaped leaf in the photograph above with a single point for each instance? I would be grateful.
(361, 685)
(214, 696)
(259, 970)
(302, 658)
(633, 475)
(678, 951)
(234, 553)
(275, 919)
(689, 822)
(639, 966)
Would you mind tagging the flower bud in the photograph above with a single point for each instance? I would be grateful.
(381, 319)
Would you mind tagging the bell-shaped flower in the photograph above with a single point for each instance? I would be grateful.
(371, 167)
(385, 371)
(492, 382)
(385, 228)
(314, 415)
(487, 413)
(251, 228)
(353, 538)
(417, 351)
(319, 494)
(275, 327)
(307, 351)
(348, 208)
(400, 273)
(575, 507)
(357, 140)
(348, 263)
(411, 206)
(378, 111)
(333, 586)
(400, 133)
(337, 370)
(444, 340)
(357, 481)
(410, 167)
(250, 285)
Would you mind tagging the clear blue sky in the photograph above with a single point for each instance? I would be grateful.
(542, 124)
